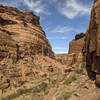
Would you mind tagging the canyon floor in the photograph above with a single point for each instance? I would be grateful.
(68, 83)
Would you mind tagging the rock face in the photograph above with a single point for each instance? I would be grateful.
(75, 49)
(61, 58)
(71, 59)
(92, 45)
(21, 37)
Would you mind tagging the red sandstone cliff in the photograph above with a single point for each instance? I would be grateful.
(92, 45)
(21, 38)
(75, 49)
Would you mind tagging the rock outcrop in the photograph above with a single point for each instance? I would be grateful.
(92, 45)
(21, 38)
(71, 59)
(75, 49)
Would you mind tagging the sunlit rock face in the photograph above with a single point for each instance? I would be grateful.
(21, 37)
(92, 45)
(75, 49)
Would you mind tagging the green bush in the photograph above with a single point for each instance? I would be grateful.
(67, 95)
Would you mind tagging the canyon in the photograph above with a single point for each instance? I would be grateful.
(30, 70)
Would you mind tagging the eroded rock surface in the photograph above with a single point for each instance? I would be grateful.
(21, 38)
(75, 49)
(92, 45)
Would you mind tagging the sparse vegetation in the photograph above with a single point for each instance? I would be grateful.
(39, 80)
(64, 62)
(21, 82)
(16, 94)
(75, 76)
(46, 92)
(19, 92)
(70, 79)
(83, 65)
(79, 71)
(67, 95)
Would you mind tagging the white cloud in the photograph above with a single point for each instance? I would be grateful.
(59, 48)
(62, 29)
(61, 52)
(68, 8)
(73, 8)
(57, 38)
(12, 3)
(37, 6)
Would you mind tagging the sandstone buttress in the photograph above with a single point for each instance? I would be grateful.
(21, 38)
(75, 50)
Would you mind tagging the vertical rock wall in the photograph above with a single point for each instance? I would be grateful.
(92, 45)
(75, 49)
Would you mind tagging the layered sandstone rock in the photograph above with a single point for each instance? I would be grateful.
(75, 49)
(71, 59)
(92, 45)
(21, 37)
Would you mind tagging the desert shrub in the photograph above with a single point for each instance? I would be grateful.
(79, 71)
(46, 92)
(39, 88)
(64, 62)
(12, 96)
(73, 78)
(70, 79)
(67, 95)
(42, 87)
(83, 65)
(21, 82)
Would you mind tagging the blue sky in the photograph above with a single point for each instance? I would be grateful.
(60, 19)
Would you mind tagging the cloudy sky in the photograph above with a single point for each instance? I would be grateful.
(60, 19)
